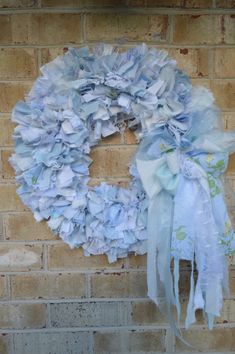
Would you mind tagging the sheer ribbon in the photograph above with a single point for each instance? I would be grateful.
(184, 223)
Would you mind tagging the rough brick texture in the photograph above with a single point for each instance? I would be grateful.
(54, 299)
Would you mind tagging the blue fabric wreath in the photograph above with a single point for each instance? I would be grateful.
(174, 206)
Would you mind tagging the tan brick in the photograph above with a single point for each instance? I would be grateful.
(111, 161)
(231, 164)
(131, 27)
(184, 282)
(48, 54)
(137, 261)
(23, 226)
(5, 33)
(198, 29)
(11, 92)
(46, 28)
(224, 92)
(130, 137)
(229, 29)
(129, 342)
(220, 339)
(6, 132)
(5, 343)
(114, 139)
(154, 3)
(82, 3)
(7, 170)
(146, 313)
(172, 3)
(49, 286)
(229, 119)
(9, 200)
(62, 257)
(232, 281)
(18, 63)
(231, 259)
(121, 182)
(201, 82)
(227, 313)
(195, 62)
(119, 285)
(17, 3)
(17, 257)
(224, 62)
(3, 290)
(197, 3)
(22, 316)
(227, 4)
(26, 28)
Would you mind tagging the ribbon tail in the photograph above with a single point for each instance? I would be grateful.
(159, 276)
(176, 287)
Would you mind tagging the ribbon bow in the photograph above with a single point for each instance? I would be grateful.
(183, 223)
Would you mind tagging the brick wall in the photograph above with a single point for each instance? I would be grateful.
(52, 299)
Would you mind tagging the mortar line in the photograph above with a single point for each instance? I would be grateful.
(12, 344)
(91, 343)
(169, 341)
(88, 285)
(8, 287)
(171, 19)
(123, 10)
(45, 257)
(109, 329)
(129, 44)
(14, 81)
(48, 316)
(83, 27)
(86, 300)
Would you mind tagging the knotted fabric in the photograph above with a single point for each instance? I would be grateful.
(187, 219)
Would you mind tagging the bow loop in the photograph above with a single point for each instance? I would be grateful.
(159, 174)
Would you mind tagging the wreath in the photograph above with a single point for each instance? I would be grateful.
(174, 206)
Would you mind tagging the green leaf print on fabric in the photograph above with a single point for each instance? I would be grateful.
(180, 233)
(214, 189)
(219, 166)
